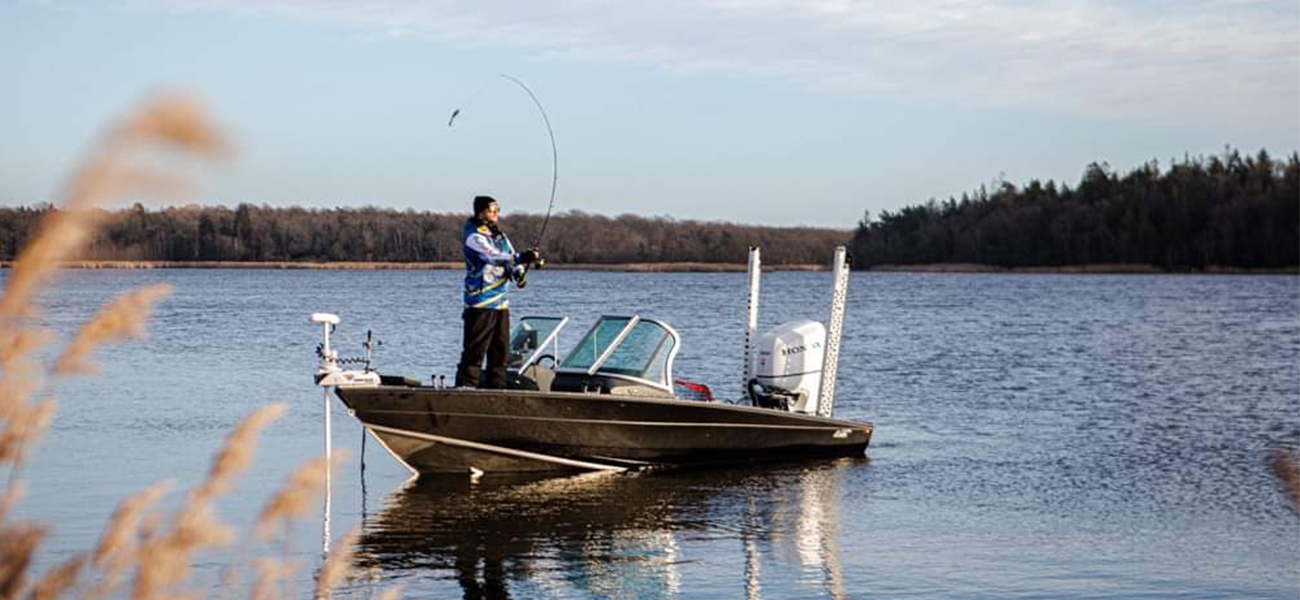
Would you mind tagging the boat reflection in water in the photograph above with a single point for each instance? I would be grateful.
(616, 535)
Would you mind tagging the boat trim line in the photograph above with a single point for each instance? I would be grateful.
(496, 449)
(390, 452)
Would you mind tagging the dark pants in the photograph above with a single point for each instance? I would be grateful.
(487, 331)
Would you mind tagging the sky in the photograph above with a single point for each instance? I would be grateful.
(768, 112)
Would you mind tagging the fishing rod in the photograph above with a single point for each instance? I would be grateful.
(555, 155)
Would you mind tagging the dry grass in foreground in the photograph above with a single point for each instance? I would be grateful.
(1286, 466)
(142, 552)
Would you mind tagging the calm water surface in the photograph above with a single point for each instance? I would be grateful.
(1036, 437)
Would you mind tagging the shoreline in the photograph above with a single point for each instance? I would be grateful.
(674, 267)
(1093, 269)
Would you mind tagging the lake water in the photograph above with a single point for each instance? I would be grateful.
(1037, 436)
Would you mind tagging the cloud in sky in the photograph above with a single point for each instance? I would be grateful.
(1232, 63)
(714, 109)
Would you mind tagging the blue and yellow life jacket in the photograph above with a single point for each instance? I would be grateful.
(489, 264)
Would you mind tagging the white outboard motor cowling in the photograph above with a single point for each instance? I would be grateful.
(788, 367)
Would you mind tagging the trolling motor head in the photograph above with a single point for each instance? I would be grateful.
(329, 373)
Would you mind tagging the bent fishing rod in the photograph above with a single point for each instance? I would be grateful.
(555, 157)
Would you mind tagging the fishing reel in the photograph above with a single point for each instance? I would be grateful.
(521, 276)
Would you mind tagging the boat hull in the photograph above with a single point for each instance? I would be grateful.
(435, 430)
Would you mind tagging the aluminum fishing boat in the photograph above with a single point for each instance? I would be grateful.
(612, 402)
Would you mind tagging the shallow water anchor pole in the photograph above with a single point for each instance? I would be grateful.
(751, 327)
(325, 534)
(329, 361)
(831, 359)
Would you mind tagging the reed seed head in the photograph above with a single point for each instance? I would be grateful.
(270, 573)
(59, 579)
(295, 497)
(239, 448)
(1287, 469)
(121, 319)
(24, 423)
(337, 565)
(17, 545)
(117, 542)
(169, 121)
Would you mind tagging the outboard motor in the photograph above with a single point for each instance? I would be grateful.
(788, 367)
(793, 367)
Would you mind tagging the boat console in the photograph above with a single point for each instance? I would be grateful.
(619, 355)
(534, 346)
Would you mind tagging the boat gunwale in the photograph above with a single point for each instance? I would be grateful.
(561, 395)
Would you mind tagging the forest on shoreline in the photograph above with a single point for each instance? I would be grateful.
(265, 234)
(1228, 212)
(1218, 214)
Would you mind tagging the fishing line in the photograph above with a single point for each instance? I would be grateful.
(555, 155)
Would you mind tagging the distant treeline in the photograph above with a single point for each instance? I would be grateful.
(263, 233)
(1224, 211)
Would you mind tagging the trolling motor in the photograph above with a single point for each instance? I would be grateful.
(330, 372)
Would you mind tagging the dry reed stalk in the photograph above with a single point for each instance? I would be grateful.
(178, 120)
(294, 497)
(117, 543)
(1287, 469)
(59, 579)
(172, 121)
(121, 319)
(60, 234)
(10, 497)
(163, 561)
(20, 343)
(63, 233)
(270, 573)
(17, 544)
(134, 536)
(239, 448)
(17, 384)
(23, 424)
(337, 565)
(20, 422)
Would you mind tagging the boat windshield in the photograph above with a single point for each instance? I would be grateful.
(597, 341)
(643, 353)
(534, 338)
(626, 346)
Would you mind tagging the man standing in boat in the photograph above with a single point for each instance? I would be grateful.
(490, 264)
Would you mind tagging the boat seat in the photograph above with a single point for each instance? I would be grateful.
(534, 377)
